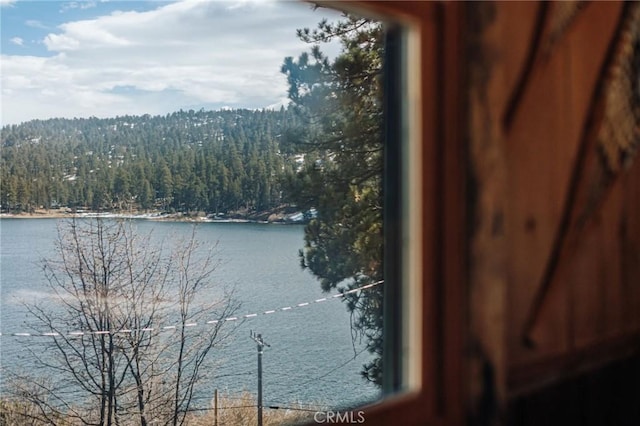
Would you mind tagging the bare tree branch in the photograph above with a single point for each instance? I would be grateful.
(117, 288)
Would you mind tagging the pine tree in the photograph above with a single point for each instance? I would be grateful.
(339, 107)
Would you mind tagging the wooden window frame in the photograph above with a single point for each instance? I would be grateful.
(451, 313)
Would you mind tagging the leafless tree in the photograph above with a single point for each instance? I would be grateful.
(131, 330)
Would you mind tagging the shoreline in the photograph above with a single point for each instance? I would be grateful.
(38, 215)
(154, 216)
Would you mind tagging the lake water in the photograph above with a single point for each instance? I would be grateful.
(310, 360)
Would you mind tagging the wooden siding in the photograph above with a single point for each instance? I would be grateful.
(555, 261)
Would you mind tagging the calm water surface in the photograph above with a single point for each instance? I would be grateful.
(308, 361)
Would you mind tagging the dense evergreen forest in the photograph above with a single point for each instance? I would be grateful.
(189, 161)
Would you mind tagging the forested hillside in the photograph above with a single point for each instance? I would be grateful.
(207, 161)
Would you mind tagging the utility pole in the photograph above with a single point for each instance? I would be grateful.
(261, 344)
(215, 407)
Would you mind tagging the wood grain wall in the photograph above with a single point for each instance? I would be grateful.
(555, 244)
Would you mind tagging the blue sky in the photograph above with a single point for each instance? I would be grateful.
(107, 58)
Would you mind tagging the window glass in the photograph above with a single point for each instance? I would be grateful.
(192, 197)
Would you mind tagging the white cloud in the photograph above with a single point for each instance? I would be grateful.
(7, 2)
(193, 52)
(78, 5)
(33, 23)
(17, 41)
(61, 42)
(238, 4)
